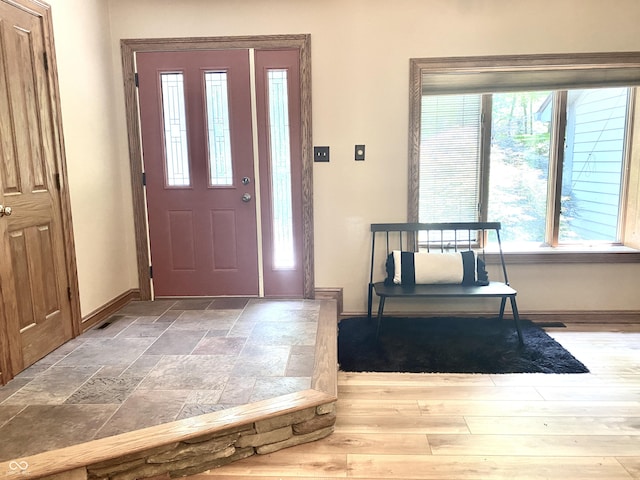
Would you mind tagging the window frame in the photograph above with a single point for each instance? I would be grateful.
(490, 74)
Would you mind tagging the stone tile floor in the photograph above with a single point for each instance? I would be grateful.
(156, 362)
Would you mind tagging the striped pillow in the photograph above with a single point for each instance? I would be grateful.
(411, 268)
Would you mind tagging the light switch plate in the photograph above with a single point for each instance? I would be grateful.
(320, 154)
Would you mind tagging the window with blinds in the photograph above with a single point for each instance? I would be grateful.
(542, 144)
(450, 158)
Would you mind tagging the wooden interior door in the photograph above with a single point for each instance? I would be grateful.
(195, 118)
(35, 311)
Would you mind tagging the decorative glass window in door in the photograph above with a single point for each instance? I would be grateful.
(218, 129)
(280, 155)
(175, 130)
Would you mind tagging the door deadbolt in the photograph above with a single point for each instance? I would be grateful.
(246, 180)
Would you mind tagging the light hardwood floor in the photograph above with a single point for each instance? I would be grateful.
(525, 426)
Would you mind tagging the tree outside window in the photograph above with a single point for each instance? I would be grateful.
(503, 156)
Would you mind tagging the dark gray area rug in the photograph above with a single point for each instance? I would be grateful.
(450, 345)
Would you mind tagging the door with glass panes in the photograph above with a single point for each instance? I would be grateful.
(221, 148)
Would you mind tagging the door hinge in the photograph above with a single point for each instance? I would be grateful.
(56, 177)
(136, 80)
(150, 271)
(45, 60)
(69, 293)
(144, 179)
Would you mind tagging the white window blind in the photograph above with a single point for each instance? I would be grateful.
(450, 156)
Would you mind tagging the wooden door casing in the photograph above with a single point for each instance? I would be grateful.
(36, 309)
(130, 48)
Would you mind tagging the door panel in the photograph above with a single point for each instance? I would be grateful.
(203, 236)
(225, 251)
(280, 151)
(35, 309)
(182, 238)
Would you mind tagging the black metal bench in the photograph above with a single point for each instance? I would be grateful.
(441, 237)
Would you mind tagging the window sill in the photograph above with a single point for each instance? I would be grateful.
(578, 254)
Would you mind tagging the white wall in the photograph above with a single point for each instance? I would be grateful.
(98, 174)
(360, 67)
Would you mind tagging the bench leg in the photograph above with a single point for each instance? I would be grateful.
(380, 311)
(502, 305)
(516, 318)
(370, 301)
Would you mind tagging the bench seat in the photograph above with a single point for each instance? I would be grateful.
(494, 289)
(468, 230)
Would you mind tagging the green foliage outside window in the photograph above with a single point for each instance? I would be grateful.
(519, 169)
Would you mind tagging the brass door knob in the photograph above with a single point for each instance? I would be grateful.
(5, 211)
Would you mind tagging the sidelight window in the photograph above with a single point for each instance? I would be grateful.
(280, 162)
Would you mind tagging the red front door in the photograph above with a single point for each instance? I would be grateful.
(195, 115)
